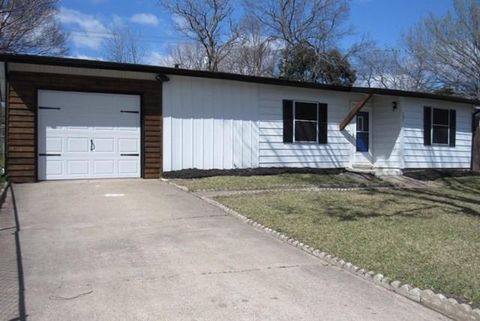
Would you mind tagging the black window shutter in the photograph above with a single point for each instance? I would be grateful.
(288, 121)
(453, 126)
(427, 126)
(322, 123)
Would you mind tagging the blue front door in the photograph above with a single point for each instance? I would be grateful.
(362, 131)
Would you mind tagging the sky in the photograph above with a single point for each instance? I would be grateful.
(88, 22)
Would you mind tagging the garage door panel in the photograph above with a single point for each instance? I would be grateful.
(77, 128)
(104, 167)
(77, 168)
(55, 167)
(128, 146)
(104, 145)
(77, 145)
(103, 129)
(128, 167)
(54, 145)
(84, 118)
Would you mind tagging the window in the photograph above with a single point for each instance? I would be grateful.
(440, 126)
(305, 122)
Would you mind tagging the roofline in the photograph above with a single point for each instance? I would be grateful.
(96, 64)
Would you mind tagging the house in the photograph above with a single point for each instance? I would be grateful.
(74, 119)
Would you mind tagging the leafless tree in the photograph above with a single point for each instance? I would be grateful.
(449, 46)
(392, 68)
(29, 26)
(123, 45)
(255, 53)
(186, 55)
(317, 24)
(210, 23)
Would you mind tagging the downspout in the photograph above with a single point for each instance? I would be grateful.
(475, 125)
(4, 98)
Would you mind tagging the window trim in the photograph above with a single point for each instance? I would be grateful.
(439, 125)
(304, 120)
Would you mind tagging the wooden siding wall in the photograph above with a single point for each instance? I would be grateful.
(387, 134)
(209, 123)
(21, 117)
(273, 152)
(417, 155)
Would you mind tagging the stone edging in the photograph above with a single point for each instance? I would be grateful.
(435, 301)
(279, 188)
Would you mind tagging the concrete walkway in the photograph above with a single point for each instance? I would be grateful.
(144, 250)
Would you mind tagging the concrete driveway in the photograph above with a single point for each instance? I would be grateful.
(143, 250)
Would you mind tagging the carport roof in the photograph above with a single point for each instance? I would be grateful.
(83, 63)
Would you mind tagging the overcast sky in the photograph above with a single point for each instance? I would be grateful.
(87, 21)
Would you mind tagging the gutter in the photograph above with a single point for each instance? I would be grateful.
(5, 134)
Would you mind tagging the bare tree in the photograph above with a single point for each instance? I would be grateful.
(123, 45)
(449, 46)
(255, 53)
(186, 55)
(392, 68)
(316, 24)
(29, 26)
(208, 22)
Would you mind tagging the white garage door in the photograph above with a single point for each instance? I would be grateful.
(88, 135)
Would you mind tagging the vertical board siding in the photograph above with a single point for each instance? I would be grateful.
(387, 133)
(209, 124)
(417, 155)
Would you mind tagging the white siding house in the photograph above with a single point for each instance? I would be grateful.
(219, 124)
(204, 120)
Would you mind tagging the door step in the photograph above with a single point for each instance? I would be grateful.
(369, 169)
(360, 168)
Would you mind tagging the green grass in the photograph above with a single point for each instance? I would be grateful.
(278, 181)
(429, 238)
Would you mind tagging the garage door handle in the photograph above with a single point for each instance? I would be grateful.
(92, 145)
(41, 154)
(53, 108)
(129, 154)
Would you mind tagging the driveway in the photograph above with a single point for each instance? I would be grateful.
(144, 250)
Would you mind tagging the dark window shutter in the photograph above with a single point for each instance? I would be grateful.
(427, 125)
(288, 121)
(453, 126)
(322, 123)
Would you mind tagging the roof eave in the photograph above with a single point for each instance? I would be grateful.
(83, 63)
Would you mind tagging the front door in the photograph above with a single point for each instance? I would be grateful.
(363, 138)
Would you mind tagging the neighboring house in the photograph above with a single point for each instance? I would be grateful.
(71, 118)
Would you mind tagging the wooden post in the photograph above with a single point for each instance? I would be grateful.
(354, 111)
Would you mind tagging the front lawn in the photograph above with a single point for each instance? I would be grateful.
(278, 181)
(429, 238)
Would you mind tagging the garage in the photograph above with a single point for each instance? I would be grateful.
(84, 135)
(82, 121)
